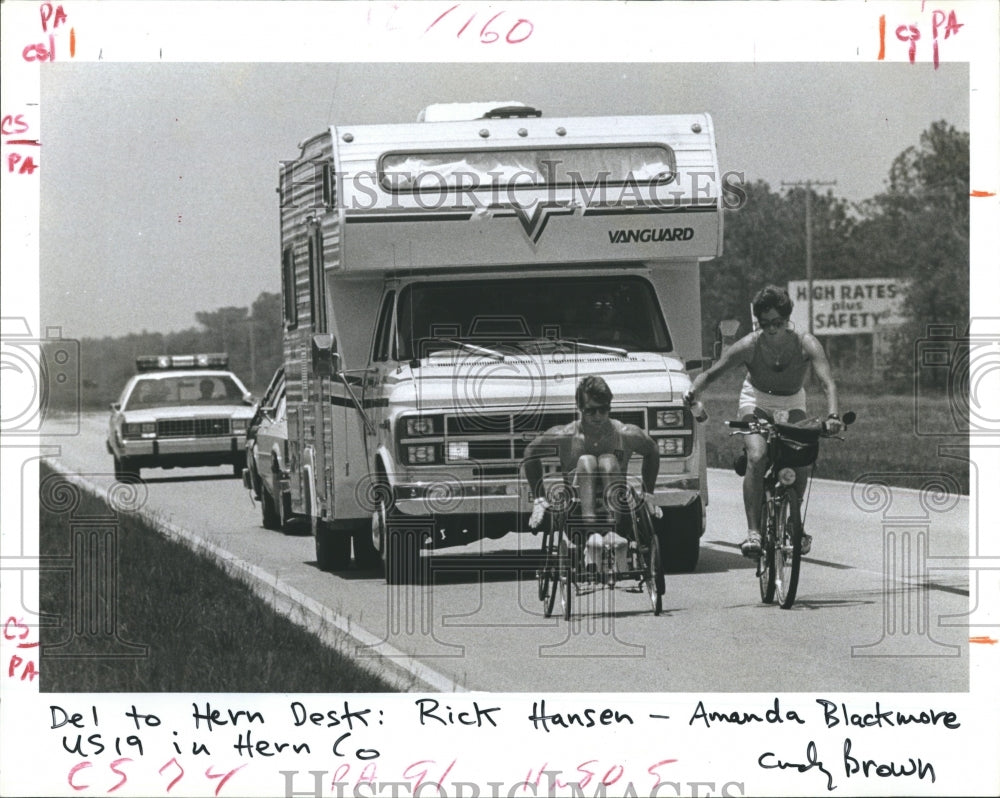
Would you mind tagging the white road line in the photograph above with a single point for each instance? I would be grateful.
(329, 626)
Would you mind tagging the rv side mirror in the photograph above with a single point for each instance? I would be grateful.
(698, 363)
(325, 359)
(725, 333)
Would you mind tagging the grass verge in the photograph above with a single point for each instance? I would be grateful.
(202, 629)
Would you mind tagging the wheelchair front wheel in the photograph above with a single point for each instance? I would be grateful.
(547, 573)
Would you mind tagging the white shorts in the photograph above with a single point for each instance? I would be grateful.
(778, 406)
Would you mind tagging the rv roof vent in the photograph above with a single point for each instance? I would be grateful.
(495, 109)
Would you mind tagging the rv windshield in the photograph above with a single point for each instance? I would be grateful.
(620, 313)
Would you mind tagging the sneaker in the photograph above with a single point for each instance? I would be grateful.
(751, 546)
(807, 542)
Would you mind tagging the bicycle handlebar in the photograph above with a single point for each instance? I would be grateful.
(761, 425)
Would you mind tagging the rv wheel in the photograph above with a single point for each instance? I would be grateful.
(679, 534)
(401, 556)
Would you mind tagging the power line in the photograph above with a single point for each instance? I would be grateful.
(808, 184)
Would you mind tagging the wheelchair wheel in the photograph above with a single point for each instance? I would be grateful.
(564, 574)
(547, 572)
(649, 554)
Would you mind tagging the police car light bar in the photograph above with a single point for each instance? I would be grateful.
(212, 360)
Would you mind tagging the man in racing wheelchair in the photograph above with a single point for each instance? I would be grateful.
(593, 453)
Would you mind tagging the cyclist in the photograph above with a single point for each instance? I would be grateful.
(593, 452)
(777, 360)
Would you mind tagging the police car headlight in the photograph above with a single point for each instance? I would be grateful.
(786, 476)
(148, 429)
(239, 425)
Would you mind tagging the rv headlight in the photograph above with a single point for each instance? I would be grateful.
(668, 419)
(418, 425)
(670, 447)
(420, 455)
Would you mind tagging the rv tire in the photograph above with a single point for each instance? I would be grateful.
(366, 556)
(679, 533)
(401, 556)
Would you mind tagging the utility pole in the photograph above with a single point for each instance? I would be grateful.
(808, 184)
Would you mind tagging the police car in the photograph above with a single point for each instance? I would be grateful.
(180, 411)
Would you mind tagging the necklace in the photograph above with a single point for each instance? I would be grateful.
(781, 355)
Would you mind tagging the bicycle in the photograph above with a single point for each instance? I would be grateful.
(789, 446)
(561, 573)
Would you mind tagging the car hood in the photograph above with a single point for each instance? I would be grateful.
(187, 411)
(476, 382)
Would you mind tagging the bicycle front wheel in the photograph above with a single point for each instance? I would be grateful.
(788, 552)
(765, 563)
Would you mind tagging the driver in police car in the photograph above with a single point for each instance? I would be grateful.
(594, 452)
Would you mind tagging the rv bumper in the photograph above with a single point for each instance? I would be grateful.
(456, 498)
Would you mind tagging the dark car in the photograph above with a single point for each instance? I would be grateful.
(266, 472)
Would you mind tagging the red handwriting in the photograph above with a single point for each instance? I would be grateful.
(17, 629)
(14, 125)
(172, 770)
(415, 774)
(602, 774)
(51, 18)
(19, 162)
(520, 30)
(910, 34)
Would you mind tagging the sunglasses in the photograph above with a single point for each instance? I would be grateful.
(773, 324)
(593, 410)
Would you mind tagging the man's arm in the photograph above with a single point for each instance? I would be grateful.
(544, 445)
(640, 443)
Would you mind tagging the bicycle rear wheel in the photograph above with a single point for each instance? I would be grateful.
(765, 564)
(788, 552)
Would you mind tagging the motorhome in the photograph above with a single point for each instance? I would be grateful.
(446, 283)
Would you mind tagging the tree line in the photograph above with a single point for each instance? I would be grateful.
(916, 229)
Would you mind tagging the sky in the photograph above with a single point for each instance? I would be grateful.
(158, 193)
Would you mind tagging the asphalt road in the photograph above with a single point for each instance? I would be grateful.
(870, 615)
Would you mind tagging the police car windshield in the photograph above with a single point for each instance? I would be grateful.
(617, 312)
(181, 390)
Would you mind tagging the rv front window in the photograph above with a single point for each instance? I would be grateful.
(496, 318)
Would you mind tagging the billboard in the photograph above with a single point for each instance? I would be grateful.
(860, 306)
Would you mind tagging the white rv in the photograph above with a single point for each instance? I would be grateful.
(447, 283)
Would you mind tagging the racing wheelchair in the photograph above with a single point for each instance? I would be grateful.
(565, 535)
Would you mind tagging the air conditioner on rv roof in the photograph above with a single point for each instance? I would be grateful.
(454, 112)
